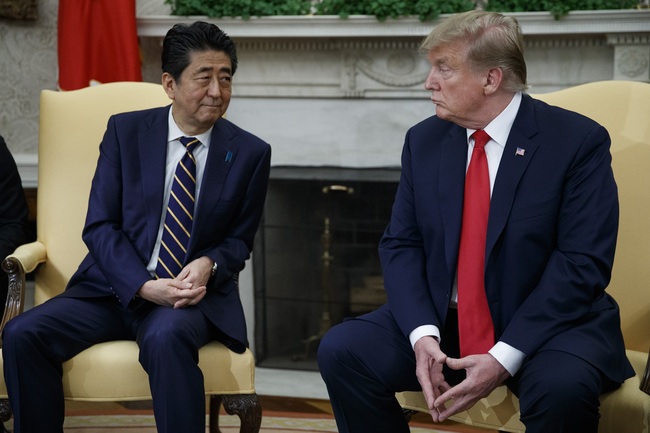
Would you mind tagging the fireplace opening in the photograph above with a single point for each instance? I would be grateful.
(316, 259)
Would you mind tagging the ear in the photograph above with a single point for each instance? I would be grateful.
(169, 85)
(493, 80)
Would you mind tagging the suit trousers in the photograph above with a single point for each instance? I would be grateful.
(37, 342)
(364, 361)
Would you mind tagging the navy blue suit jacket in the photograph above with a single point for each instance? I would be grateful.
(126, 204)
(550, 243)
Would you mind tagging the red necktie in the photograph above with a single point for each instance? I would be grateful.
(475, 328)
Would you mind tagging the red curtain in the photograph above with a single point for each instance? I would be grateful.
(98, 43)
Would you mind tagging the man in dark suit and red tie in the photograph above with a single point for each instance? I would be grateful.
(134, 284)
(497, 254)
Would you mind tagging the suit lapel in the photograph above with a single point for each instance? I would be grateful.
(452, 182)
(511, 168)
(152, 144)
(221, 156)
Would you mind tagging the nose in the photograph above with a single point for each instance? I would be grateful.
(214, 90)
(431, 83)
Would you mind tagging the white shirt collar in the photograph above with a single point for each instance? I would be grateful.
(175, 132)
(499, 128)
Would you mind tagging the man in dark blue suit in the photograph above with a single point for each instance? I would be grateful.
(553, 334)
(115, 293)
(14, 213)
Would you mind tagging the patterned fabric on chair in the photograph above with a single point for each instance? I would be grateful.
(623, 107)
(71, 128)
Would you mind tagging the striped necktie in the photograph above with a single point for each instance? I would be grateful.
(475, 327)
(179, 215)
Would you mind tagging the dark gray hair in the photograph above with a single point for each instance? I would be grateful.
(182, 40)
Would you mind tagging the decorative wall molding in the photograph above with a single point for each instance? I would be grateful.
(360, 57)
(564, 41)
(532, 23)
(28, 168)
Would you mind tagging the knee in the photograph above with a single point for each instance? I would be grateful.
(560, 397)
(15, 333)
(160, 339)
(335, 351)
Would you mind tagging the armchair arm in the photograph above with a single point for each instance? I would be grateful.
(645, 380)
(24, 260)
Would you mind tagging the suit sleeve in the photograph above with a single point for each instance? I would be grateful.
(570, 290)
(113, 251)
(403, 260)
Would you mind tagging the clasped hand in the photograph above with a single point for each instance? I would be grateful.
(187, 289)
(484, 374)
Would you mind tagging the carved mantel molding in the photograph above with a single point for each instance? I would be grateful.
(335, 80)
(360, 57)
(361, 26)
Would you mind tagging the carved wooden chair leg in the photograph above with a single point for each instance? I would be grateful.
(246, 406)
(408, 414)
(5, 414)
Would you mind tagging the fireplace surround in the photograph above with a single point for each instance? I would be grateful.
(316, 259)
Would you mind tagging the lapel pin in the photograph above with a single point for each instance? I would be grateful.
(228, 156)
(520, 151)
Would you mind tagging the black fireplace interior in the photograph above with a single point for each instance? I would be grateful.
(315, 257)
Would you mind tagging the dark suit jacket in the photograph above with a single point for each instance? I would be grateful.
(14, 223)
(550, 243)
(126, 203)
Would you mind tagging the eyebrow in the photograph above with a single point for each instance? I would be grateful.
(441, 60)
(210, 69)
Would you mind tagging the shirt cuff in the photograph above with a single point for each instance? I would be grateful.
(510, 358)
(424, 331)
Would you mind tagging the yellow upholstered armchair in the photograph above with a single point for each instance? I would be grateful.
(71, 127)
(623, 107)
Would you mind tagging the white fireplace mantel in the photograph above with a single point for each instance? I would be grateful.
(327, 91)
(327, 26)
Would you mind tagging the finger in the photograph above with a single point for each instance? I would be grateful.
(183, 273)
(181, 303)
(459, 404)
(189, 297)
(458, 364)
(197, 299)
(435, 415)
(180, 285)
(428, 391)
(437, 392)
(443, 387)
(450, 394)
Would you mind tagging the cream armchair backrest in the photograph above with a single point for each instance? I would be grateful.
(623, 107)
(71, 127)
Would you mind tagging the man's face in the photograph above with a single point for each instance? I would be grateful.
(202, 94)
(456, 89)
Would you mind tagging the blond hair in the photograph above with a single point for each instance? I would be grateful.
(493, 40)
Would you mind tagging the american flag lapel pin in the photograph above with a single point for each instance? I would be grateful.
(520, 151)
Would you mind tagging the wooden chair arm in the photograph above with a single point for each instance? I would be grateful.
(645, 380)
(24, 260)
